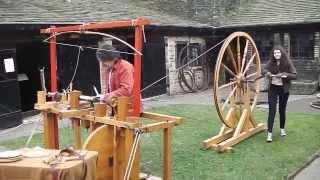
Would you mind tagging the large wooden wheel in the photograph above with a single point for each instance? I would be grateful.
(236, 89)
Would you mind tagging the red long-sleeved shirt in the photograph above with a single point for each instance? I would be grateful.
(121, 81)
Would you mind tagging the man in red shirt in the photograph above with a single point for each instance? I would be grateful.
(118, 75)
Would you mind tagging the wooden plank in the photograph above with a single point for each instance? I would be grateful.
(161, 117)
(241, 122)
(217, 139)
(112, 121)
(228, 98)
(248, 123)
(97, 26)
(222, 129)
(167, 154)
(51, 136)
(230, 117)
(125, 138)
(157, 126)
(76, 132)
(76, 113)
(46, 106)
(242, 136)
(124, 146)
(253, 121)
(115, 154)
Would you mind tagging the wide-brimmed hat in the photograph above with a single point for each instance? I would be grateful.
(107, 53)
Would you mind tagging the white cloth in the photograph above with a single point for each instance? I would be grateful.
(276, 81)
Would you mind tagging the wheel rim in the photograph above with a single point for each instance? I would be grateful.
(237, 70)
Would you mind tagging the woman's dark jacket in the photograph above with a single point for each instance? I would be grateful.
(289, 70)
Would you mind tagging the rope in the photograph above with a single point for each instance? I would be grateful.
(76, 69)
(132, 154)
(181, 67)
(144, 35)
(32, 133)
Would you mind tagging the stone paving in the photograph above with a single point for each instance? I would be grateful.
(311, 172)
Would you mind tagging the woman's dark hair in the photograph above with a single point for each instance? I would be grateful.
(107, 53)
(284, 60)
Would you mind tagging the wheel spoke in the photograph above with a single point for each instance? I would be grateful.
(227, 85)
(250, 75)
(238, 52)
(249, 63)
(229, 70)
(244, 55)
(233, 61)
(228, 98)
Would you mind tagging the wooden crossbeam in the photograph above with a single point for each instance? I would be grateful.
(242, 136)
(217, 139)
(157, 126)
(161, 117)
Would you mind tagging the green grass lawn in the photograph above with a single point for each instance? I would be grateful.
(251, 159)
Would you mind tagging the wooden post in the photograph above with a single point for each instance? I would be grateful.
(76, 132)
(137, 72)
(54, 83)
(125, 138)
(74, 99)
(50, 140)
(122, 109)
(41, 97)
(167, 154)
(100, 110)
(64, 98)
(74, 104)
(106, 159)
(51, 137)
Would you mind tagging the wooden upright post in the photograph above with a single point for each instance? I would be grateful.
(54, 87)
(167, 154)
(50, 141)
(137, 72)
(125, 138)
(74, 104)
(100, 110)
(74, 99)
(41, 97)
(50, 133)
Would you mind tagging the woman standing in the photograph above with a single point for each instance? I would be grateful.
(280, 71)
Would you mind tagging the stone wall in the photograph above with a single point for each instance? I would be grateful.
(308, 72)
(171, 54)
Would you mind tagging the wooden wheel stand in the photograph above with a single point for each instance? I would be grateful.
(111, 136)
(236, 89)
